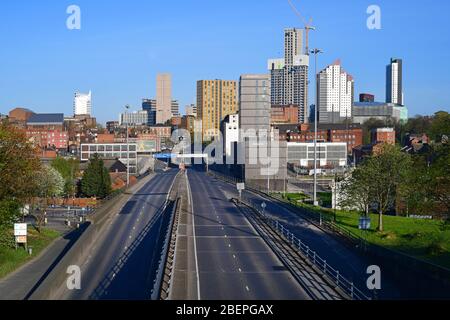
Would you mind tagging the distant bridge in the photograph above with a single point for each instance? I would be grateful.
(166, 156)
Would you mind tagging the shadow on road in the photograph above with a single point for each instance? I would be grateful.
(133, 274)
(73, 238)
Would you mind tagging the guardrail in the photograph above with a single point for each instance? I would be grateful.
(51, 285)
(102, 288)
(416, 274)
(165, 256)
(336, 277)
(320, 220)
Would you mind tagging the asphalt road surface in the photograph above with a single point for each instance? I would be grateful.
(350, 262)
(121, 264)
(233, 261)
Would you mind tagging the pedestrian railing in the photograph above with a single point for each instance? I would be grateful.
(336, 277)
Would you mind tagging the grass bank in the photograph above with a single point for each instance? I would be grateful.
(428, 240)
(11, 259)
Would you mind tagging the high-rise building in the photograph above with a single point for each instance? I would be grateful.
(163, 98)
(175, 108)
(149, 105)
(289, 75)
(215, 100)
(394, 82)
(254, 102)
(191, 110)
(335, 94)
(256, 134)
(82, 104)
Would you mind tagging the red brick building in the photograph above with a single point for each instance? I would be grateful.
(352, 134)
(161, 131)
(105, 138)
(20, 115)
(284, 114)
(47, 131)
(384, 135)
(48, 138)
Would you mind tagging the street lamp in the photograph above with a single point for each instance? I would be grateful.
(127, 107)
(315, 52)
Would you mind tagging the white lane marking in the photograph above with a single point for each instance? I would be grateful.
(195, 238)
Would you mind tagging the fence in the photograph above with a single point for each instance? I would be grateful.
(340, 281)
(426, 279)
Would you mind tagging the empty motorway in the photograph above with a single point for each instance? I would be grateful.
(233, 261)
(120, 264)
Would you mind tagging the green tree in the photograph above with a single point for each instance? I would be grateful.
(419, 125)
(375, 123)
(376, 181)
(412, 192)
(440, 126)
(18, 164)
(438, 186)
(9, 213)
(356, 191)
(50, 185)
(96, 180)
(69, 170)
(386, 171)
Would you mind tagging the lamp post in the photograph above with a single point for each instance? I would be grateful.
(315, 52)
(127, 107)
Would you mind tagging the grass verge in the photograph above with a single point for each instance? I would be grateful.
(11, 259)
(427, 240)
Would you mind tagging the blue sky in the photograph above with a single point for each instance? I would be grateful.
(123, 45)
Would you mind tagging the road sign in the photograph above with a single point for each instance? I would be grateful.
(241, 186)
(21, 239)
(364, 223)
(20, 229)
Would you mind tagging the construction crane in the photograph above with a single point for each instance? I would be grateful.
(308, 25)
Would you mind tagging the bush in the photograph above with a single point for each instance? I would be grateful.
(9, 213)
(437, 247)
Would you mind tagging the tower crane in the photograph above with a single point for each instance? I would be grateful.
(308, 25)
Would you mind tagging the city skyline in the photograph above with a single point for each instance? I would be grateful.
(123, 71)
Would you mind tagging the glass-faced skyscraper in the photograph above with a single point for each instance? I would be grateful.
(394, 82)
